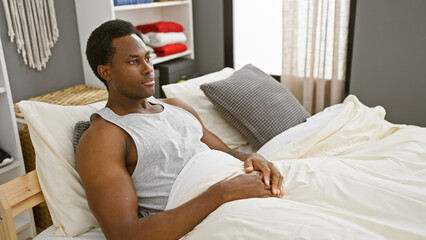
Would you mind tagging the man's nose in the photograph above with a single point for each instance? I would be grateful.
(147, 68)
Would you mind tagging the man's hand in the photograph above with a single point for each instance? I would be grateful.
(271, 175)
(243, 186)
(252, 162)
(255, 162)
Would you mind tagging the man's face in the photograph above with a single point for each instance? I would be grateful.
(131, 70)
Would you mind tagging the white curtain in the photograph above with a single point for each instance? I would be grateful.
(314, 51)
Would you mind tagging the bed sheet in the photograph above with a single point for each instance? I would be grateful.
(312, 124)
(49, 234)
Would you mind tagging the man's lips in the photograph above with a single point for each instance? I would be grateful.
(149, 82)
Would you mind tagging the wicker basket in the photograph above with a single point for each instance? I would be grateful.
(77, 95)
(73, 96)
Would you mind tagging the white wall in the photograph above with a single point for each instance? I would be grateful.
(258, 34)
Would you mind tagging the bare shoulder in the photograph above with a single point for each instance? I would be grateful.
(100, 131)
(101, 140)
(178, 103)
(174, 101)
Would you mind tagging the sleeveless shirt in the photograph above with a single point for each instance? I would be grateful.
(165, 142)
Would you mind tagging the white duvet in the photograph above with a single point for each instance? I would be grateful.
(358, 177)
(349, 174)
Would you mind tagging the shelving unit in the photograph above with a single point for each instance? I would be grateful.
(9, 167)
(9, 141)
(177, 11)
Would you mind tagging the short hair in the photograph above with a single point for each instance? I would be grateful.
(99, 49)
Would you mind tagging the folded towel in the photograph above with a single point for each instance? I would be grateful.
(170, 49)
(163, 39)
(145, 38)
(160, 27)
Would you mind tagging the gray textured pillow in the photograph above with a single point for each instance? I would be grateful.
(255, 104)
(79, 129)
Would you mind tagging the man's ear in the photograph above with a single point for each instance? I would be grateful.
(104, 72)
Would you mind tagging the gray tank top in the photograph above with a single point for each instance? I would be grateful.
(165, 142)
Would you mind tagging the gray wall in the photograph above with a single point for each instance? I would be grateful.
(389, 58)
(64, 68)
(208, 35)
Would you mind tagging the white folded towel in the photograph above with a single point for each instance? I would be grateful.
(145, 38)
(157, 39)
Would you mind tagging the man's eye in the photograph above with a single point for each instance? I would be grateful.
(133, 62)
(148, 59)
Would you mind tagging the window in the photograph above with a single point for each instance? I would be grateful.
(258, 34)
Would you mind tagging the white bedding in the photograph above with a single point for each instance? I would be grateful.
(349, 174)
(358, 177)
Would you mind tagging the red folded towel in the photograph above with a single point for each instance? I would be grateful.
(160, 27)
(170, 49)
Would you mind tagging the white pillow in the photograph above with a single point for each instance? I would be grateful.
(190, 92)
(51, 129)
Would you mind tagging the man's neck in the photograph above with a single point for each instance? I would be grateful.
(127, 106)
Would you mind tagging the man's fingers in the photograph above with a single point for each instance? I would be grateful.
(266, 176)
(266, 173)
(271, 176)
(280, 184)
(268, 194)
(248, 166)
(277, 181)
(274, 183)
(260, 166)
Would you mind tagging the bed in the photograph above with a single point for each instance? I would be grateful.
(349, 174)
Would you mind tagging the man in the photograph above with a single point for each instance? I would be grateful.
(135, 147)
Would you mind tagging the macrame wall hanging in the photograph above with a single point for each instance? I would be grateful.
(32, 24)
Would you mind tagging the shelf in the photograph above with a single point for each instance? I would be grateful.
(170, 57)
(2, 90)
(148, 5)
(143, 13)
(9, 167)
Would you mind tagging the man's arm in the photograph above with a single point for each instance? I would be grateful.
(252, 161)
(100, 162)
